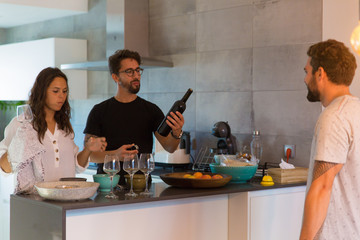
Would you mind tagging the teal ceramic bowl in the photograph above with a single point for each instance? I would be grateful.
(105, 181)
(240, 174)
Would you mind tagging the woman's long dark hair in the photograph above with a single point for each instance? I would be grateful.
(37, 103)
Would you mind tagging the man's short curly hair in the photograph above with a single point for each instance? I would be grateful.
(118, 56)
(336, 60)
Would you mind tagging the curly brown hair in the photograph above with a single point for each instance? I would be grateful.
(115, 59)
(37, 103)
(336, 60)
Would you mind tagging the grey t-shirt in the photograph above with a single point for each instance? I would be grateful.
(337, 139)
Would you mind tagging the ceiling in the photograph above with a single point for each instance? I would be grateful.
(19, 12)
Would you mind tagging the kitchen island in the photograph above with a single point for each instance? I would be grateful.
(235, 211)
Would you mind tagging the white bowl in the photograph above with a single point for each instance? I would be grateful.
(68, 190)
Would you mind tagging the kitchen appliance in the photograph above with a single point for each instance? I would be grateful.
(227, 142)
(181, 156)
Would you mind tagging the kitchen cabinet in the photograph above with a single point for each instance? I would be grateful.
(6, 189)
(20, 63)
(266, 214)
(20, 12)
(171, 213)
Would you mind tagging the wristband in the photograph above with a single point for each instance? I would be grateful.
(177, 137)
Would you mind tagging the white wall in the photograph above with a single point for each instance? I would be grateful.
(339, 20)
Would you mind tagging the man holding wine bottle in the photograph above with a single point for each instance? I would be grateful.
(126, 119)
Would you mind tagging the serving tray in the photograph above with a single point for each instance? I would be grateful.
(177, 180)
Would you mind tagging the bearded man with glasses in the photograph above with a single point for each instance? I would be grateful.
(126, 119)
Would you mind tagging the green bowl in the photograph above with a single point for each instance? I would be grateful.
(105, 182)
(240, 174)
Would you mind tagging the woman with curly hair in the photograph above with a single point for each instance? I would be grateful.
(44, 149)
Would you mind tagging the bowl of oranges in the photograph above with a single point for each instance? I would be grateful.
(195, 179)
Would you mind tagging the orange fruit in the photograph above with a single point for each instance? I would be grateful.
(187, 175)
(205, 176)
(197, 174)
(216, 176)
(191, 176)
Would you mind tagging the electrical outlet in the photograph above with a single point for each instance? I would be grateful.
(292, 147)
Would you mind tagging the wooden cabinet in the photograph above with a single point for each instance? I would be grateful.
(266, 214)
(20, 12)
(21, 62)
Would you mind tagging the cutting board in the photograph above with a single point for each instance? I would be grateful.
(296, 175)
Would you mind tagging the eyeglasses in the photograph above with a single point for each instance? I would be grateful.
(130, 72)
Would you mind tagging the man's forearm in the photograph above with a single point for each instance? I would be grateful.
(169, 143)
(316, 205)
(318, 198)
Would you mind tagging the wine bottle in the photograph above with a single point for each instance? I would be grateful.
(179, 106)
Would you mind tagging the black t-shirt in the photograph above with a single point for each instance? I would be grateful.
(124, 123)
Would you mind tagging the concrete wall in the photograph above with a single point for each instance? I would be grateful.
(243, 58)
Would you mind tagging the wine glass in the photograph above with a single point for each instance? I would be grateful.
(111, 167)
(24, 113)
(131, 166)
(146, 165)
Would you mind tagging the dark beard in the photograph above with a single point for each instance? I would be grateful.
(129, 87)
(313, 96)
(132, 89)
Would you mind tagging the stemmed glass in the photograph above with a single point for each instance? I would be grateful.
(146, 165)
(131, 166)
(24, 113)
(111, 167)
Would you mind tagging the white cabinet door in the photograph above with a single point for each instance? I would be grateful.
(200, 218)
(16, 81)
(276, 216)
(267, 214)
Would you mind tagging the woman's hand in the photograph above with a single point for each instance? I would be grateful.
(95, 144)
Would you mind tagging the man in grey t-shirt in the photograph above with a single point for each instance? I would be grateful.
(332, 202)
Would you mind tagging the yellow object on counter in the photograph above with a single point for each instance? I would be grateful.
(267, 181)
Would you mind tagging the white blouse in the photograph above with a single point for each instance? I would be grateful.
(60, 156)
